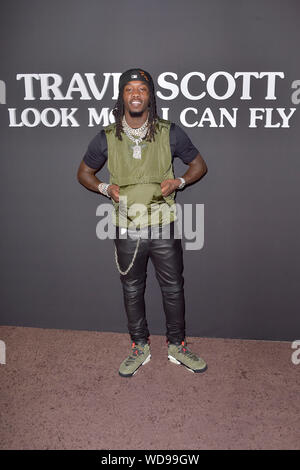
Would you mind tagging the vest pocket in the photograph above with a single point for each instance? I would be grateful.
(147, 194)
(144, 193)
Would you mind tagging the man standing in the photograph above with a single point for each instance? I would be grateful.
(139, 148)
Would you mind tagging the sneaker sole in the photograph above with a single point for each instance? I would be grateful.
(142, 364)
(175, 361)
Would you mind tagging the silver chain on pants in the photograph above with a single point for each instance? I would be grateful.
(140, 235)
(132, 261)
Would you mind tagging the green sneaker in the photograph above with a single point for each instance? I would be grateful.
(180, 354)
(140, 355)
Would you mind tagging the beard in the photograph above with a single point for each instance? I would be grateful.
(136, 113)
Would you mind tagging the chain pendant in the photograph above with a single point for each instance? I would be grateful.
(137, 152)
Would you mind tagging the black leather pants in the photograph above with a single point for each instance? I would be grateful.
(167, 258)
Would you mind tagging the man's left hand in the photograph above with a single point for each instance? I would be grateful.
(169, 186)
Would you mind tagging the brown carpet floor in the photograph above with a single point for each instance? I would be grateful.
(60, 389)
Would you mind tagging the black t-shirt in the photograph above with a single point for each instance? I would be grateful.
(180, 143)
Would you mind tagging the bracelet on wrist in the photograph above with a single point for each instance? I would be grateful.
(103, 189)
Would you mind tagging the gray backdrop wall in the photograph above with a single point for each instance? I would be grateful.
(55, 271)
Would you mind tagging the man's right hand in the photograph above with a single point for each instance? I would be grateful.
(113, 191)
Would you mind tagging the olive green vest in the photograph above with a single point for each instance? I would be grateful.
(139, 179)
